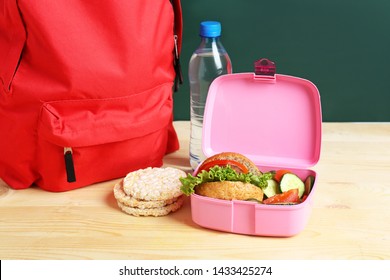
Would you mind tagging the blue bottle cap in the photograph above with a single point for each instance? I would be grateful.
(210, 29)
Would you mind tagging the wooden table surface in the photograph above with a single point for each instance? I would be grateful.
(350, 217)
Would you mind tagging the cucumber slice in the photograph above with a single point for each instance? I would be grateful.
(309, 182)
(291, 181)
(272, 188)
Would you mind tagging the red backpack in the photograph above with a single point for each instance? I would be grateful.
(86, 89)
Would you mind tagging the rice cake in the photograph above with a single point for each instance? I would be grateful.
(150, 191)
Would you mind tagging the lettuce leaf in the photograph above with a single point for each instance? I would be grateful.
(218, 174)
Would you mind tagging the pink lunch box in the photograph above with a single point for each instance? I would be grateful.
(273, 119)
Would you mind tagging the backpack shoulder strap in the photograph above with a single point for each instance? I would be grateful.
(178, 32)
(178, 22)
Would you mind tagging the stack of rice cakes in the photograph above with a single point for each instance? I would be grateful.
(150, 192)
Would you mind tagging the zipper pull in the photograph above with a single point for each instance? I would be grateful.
(69, 165)
(179, 74)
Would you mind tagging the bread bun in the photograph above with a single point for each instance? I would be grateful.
(229, 190)
(250, 165)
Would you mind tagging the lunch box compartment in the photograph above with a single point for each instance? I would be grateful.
(275, 120)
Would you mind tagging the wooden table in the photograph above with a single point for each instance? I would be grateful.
(350, 218)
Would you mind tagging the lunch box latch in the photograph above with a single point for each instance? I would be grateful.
(265, 70)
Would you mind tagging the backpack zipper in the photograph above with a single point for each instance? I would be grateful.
(176, 62)
(69, 165)
(179, 74)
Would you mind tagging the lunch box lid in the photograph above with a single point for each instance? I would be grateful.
(273, 119)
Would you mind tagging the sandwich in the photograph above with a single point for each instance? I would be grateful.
(233, 176)
(227, 176)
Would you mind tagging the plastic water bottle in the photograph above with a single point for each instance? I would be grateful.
(209, 61)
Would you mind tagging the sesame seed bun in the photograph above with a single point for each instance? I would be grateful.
(250, 165)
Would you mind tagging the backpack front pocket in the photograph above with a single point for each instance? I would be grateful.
(86, 141)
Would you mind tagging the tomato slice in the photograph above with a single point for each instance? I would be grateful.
(279, 174)
(288, 196)
(223, 162)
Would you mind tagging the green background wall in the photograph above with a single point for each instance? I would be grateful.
(342, 46)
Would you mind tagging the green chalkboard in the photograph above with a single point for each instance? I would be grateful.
(342, 46)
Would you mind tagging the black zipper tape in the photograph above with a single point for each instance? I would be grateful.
(69, 165)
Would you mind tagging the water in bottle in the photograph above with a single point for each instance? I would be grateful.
(209, 61)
